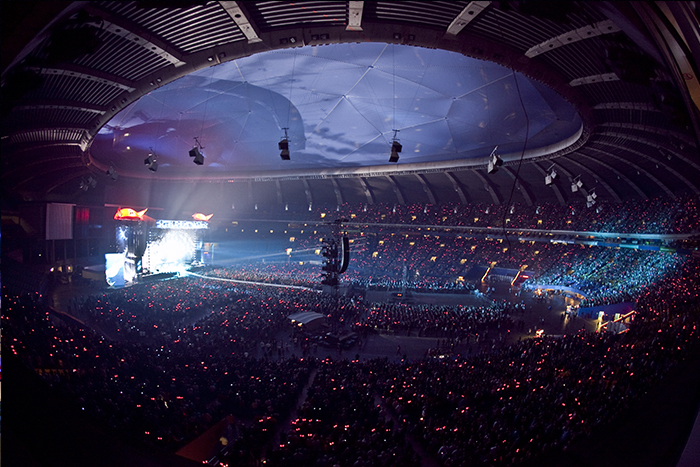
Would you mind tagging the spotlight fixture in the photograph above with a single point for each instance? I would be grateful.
(151, 162)
(396, 148)
(590, 199)
(495, 161)
(87, 183)
(112, 173)
(198, 156)
(576, 183)
(551, 176)
(283, 146)
(196, 153)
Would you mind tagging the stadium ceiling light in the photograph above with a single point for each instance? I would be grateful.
(283, 146)
(495, 161)
(196, 152)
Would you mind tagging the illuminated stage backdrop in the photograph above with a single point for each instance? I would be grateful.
(173, 246)
(145, 249)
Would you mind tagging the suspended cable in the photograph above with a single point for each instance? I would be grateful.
(291, 85)
(522, 153)
(206, 103)
(522, 156)
(393, 89)
(395, 145)
(195, 152)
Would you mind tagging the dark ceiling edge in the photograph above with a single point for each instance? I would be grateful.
(663, 33)
(20, 37)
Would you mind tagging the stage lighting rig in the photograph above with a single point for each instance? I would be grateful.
(551, 176)
(395, 148)
(576, 183)
(196, 152)
(151, 161)
(87, 183)
(591, 199)
(495, 161)
(283, 146)
(112, 173)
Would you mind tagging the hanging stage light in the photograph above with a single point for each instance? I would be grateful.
(284, 149)
(551, 176)
(87, 183)
(112, 173)
(591, 199)
(196, 153)
(576, 183)
(151, 162)
(198, 156)
(495, 161)
(395, 148)
(283, 146)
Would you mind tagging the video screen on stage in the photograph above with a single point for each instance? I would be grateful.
(170, 250)
(164, 247)
(114, 269)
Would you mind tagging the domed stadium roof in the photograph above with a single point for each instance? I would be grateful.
(600, 92)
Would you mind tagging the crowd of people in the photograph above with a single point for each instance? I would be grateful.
(280, 272)
(496, 408)
(447, 263)
(450, 321)
(607, 275)
(658, 216)
(342, 422)
(161, 362)
(168, 387)
(437, 263)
